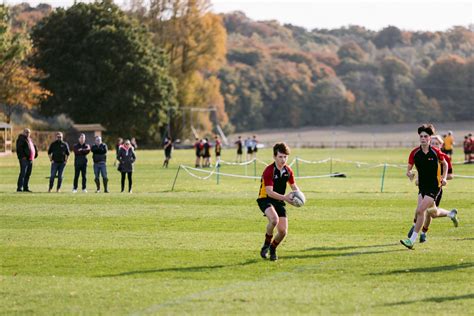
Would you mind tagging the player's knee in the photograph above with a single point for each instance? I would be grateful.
(274, 221)
(420, 211)
(283, 232)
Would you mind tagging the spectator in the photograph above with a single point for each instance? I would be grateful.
(99, 156)
(168, 147)
(58, 155)
(81, 150)
(117, 148)
(134, 144)
(126, 158)
(27, 152)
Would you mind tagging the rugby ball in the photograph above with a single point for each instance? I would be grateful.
(298, 198)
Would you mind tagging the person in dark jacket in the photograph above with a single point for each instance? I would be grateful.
(58, 155)
(127, 158)
(81, 150)
(27, 152)
(99, 156)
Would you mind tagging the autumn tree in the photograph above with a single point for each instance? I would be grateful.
(19, 87)
(195, 41)
(102, 67)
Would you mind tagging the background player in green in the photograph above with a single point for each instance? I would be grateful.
(271, 198)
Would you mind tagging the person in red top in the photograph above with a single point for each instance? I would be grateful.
(271, 198)
(435, 211)
(428, 161)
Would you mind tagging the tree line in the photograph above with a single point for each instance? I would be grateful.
(137, 70)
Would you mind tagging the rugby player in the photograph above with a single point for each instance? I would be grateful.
(271, 198)
(428, 161)
(435, 211)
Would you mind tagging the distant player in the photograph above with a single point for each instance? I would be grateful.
(271, 198)
(238, 142)
(435, 211)
(467, 148)
(428, 161)
(254, 146)
(168, 147)
(198, 145)
(218, 149)
(249, 145)
(449, 144)
(206, 153)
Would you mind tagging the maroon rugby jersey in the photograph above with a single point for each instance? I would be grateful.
(273, 177)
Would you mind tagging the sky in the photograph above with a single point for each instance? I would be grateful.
(413, 15)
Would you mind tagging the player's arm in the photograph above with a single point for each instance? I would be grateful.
(445, 172)
(410, 173)
(278, 196)
(294, 187)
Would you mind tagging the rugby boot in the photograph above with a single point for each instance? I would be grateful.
(454, 218)
(407, 243)
(423, 237)
(273, 254)
(264, 251)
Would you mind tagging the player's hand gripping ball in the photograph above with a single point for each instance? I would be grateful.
(298, 198)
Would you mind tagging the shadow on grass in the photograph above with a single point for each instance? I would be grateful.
(181, 269)
(439, 299)
(350, 247)
(245, 263)
(343, 254)
(465, 265)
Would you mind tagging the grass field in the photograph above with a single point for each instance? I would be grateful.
(195, 250)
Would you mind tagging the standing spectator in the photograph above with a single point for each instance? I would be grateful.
(27, 152)
(254, 146)
(238, 142)
(207, 152)
(126, 158)
(99, 156)
(168, 146)
(81, 150)
(117, 148)
(449, 144)
(249, 144)
(133, 141)
(218, 150)
(58, 155)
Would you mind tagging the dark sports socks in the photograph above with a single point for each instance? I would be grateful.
(268, 239)
(274, 244)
